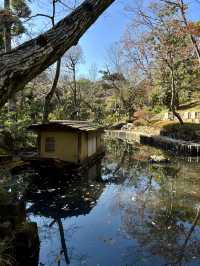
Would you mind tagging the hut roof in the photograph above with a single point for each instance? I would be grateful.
(71, 125)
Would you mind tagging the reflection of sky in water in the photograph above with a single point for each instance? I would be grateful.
(97, 234)
(142, 217)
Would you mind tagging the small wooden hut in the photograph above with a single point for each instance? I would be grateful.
(69, 141)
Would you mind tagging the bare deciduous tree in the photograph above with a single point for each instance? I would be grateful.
(71, 61)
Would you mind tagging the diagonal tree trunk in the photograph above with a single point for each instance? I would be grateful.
(24, 63)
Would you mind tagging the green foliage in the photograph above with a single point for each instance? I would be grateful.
(128, 95)
(171, 48)
(12, 19)
(20, 8)
(163, 54)
(17, 122)
(155, 99)
(158, 109)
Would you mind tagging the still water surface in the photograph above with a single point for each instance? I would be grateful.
(123, 211)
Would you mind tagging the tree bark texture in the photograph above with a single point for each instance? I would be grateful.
(22, 64)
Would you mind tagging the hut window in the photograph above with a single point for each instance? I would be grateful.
(50, 144)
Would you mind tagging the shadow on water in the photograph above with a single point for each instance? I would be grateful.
(122, 211)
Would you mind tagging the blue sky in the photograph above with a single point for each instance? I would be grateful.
(108, 29)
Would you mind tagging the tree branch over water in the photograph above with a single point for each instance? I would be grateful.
(25, 62)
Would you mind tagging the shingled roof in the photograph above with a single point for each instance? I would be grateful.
(72, 125)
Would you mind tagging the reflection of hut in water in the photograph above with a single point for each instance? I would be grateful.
(74, 197)
(69, 141)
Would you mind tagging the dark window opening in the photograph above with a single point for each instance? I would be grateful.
(50, 144)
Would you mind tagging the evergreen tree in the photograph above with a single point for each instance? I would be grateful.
(11, 21)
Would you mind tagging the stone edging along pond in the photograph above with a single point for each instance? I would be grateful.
(175, 145)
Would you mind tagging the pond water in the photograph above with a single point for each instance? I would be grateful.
(123, 211)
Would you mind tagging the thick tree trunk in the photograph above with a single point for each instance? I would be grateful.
(24, 63)
(51, 93)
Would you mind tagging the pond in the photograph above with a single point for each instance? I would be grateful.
(123, 211)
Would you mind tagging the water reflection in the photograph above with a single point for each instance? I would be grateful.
(163, 214)
(123, 211)
(64, 198)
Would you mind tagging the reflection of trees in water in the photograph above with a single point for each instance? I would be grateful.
(116, 150)
(72, 197)
(62, 239)
(51, 230)
(155, 202)
(162, 222)
(183, 250)
(159, 210)
(119, 166)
